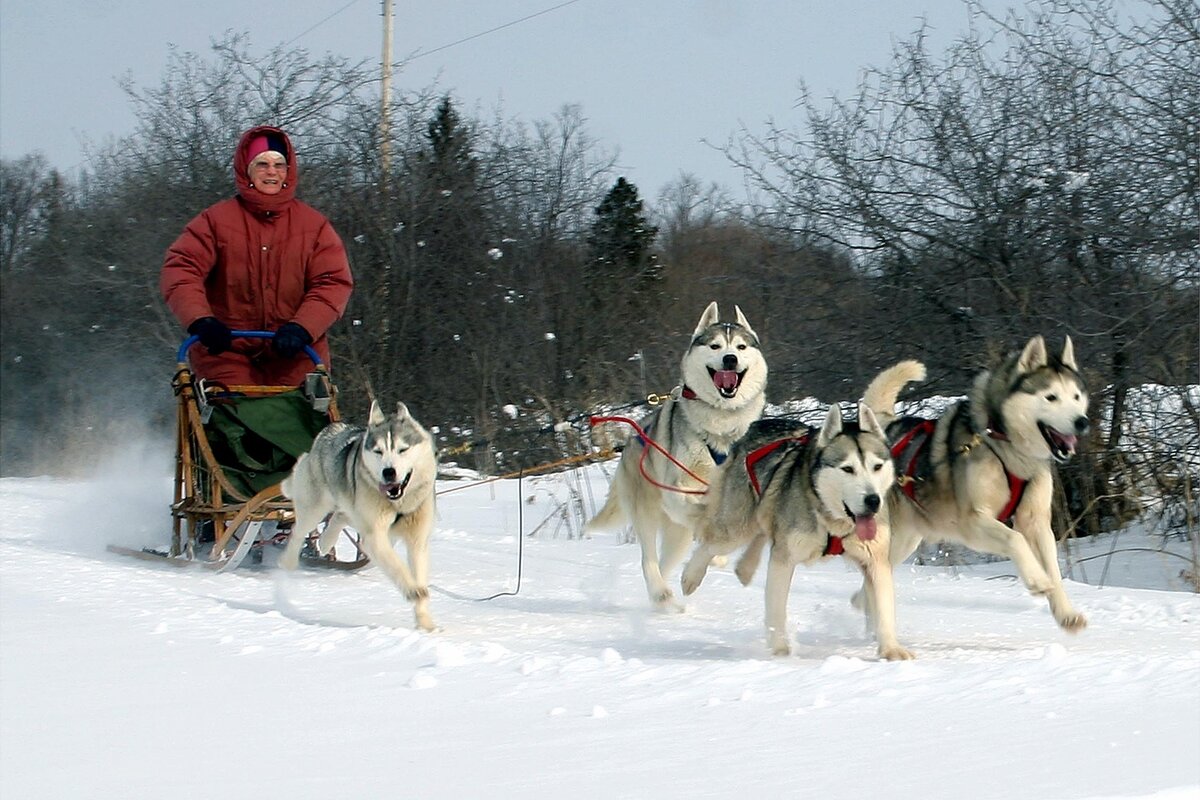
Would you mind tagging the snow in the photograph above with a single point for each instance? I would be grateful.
(127, 679)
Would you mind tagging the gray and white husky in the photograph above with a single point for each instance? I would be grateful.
(981, 473)
(723, 380)
(379, 480)
(808, 493)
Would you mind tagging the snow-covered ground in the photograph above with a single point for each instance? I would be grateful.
(126, 679)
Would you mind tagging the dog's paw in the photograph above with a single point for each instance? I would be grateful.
(777, 643)
(666, 603)
(426, 623)
(895, 652)
(745, 572)
(691, 579)
(1072, 622)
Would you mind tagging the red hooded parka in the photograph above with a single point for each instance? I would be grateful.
(256, 261)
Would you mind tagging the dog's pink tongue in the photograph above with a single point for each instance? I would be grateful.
(725, 379)
(864, 527)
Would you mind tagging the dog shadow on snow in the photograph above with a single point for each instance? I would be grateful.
(284, 606)
(636, 631)
(294, 613)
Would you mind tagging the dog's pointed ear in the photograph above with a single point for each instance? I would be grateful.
(1068, 355)
(831, 427)
(401, 411)
(745, 323)
(376, 415)
(710, 317)
(867, 421)
(1033, 356)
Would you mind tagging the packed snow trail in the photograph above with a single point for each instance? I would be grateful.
(123, 679)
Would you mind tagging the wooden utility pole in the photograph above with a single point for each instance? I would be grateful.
(385, 91)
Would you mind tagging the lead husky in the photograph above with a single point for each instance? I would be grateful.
(723, 380)
(808, 493)
(985, 479)
(379, 480)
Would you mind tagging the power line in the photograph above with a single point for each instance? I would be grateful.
(526, 18)
(493, 30)
(312, 28)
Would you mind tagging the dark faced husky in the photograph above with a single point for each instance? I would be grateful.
(723, 380)
(379, 480)
(981, 473)
(808, 494)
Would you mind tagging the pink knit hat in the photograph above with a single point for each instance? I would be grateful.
(264, 144)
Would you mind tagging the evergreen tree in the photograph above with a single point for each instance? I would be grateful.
(620, 243)
(623, 285)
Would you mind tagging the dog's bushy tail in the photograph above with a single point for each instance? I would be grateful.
(611, 517)
(882, 392)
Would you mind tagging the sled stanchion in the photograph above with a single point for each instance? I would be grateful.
(242, 517)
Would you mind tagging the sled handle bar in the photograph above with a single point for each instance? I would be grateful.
(191, 340)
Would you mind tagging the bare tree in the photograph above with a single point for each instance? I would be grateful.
(1041, 177)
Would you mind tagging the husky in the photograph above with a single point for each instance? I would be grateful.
(379, 480)
(808, 493)
(723, 380)
(981, 474)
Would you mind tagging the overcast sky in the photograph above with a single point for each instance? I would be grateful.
(653, 77)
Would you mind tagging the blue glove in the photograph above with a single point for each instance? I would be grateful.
(290, 339)
(213, 334)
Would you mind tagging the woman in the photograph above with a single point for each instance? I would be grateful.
(261, 260)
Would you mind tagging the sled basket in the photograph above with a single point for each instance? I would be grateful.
(234, 446)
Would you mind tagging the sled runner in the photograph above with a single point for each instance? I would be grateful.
(234, 446)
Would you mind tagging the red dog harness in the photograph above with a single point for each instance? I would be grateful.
(907, 481)
(755, 456)
(833, 547)
(918, 438)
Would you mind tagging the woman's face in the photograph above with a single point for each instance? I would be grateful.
(267, 173)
